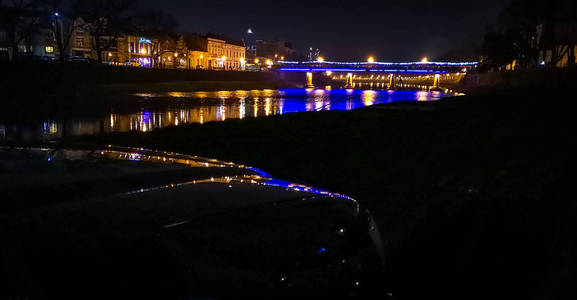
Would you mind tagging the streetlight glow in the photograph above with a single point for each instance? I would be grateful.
(371, 60)
(320, 59)
(425, 59)
(256, 60)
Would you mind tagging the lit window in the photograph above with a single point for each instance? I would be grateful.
(49, 49)
(80, 42)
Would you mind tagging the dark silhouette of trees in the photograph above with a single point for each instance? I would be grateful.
(19, 19)
(516, 36)
(162, 28)
(64, 21)
(106, 21)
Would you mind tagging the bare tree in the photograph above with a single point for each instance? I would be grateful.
(20, 19)
(162, 28)
(65, 14)
(106, 22)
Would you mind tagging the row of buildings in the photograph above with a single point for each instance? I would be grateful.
(190, 51)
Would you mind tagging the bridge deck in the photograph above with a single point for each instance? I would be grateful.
(376, 67)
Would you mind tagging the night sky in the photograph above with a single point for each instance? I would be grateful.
(391, 30)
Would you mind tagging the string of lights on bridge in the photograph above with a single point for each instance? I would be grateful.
(452, 64)
(320, 65)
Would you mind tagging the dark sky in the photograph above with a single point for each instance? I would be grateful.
(391, 30)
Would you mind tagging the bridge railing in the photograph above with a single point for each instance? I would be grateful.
(381, 67)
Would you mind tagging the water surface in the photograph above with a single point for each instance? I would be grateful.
(160, 110)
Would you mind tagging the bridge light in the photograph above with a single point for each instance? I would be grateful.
(371, 60)
(320, 59)
(425, 59)
(329, 73)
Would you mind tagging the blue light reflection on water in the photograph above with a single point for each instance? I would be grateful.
(177, 108)
(321, 99)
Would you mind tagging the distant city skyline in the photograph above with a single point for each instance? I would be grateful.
(344, 30)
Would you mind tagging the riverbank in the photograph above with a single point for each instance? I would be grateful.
(471, 193)
(34, 80)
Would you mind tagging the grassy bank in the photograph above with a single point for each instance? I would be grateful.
(35, 81)
(471, 193)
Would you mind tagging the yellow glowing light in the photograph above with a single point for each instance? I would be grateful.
(371, 60)
(201, 56)
(256, 60)
(425, 59)
(320, 59)
(224, 58)
(109, 54)
(175, 54)
(143, 51)
(329, 73)
(269, 62)
(282, 58)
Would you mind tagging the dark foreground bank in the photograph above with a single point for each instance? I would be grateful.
(472, 194)
(40, 80)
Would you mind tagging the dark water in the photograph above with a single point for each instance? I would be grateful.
(168, 109)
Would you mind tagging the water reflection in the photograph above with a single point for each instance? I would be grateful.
(177, 108)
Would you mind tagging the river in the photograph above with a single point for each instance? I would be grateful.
(158, 110)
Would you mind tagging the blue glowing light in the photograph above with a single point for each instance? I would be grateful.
(56, 14)
(322, 250)
(335, 70)
(432, 63)
(342, 70)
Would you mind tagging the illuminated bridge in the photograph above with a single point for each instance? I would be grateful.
(350, 71)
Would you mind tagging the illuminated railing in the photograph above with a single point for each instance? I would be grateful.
(357, 64)
(375, 67)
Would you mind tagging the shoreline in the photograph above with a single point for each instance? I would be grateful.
(430, 173)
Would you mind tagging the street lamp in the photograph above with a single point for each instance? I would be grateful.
(320, 59)
(425, 59)
(371, 60)
(256, 61)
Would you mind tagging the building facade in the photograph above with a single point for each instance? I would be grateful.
(274, 50)
(557, 42)
(225, 53)
(194, 51)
